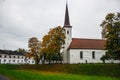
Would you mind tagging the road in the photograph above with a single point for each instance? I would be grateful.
(3, 77)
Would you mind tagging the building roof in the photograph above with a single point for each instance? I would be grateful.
(79, 43)
(9, 52)
(67, 20)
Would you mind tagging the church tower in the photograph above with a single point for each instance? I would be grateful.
(68, 34)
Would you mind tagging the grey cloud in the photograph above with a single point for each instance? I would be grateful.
(22, 19)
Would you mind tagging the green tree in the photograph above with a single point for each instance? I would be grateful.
(34, 49)
(104, 57)
(111, 32)
(21, 50)
(52, 44)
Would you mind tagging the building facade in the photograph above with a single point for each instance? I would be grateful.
(13, 57)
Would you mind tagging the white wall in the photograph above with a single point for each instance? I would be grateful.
(68, 34)
(15, 59)
(87, 55)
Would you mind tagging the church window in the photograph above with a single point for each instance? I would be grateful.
(93, 54)
(67, 32)
(81, 54)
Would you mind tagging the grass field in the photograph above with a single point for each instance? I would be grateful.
(24, 72)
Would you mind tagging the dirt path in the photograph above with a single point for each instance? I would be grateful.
(3, 77)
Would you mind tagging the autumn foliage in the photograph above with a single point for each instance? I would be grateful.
(34, 49)
(52, 44)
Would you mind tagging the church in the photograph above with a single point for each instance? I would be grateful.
(80, 50)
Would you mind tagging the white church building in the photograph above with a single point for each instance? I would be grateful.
(75, 50)
(79, 50)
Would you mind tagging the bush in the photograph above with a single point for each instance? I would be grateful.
(85, 69)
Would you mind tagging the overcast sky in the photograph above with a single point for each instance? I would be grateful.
(23, 19)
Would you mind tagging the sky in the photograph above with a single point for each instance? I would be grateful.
(23, 19)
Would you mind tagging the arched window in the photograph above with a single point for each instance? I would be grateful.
(81, 54)
(67, 32)
(93, 54)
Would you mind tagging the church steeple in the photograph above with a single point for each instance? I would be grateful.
(67, 21)
(68, 35)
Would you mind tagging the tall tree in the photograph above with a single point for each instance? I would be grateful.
(34, 48)
(52, 44)
(111, 32)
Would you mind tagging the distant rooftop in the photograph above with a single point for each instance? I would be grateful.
(9, 52)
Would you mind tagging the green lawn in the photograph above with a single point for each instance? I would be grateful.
(17, 72)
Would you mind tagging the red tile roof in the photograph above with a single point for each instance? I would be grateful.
(78, 43)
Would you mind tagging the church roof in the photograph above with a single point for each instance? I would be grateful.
(67, 20)
(79, 43)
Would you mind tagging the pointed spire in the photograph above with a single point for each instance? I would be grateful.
(67, 21)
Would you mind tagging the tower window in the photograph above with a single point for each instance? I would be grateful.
(93, 54)
(81, 54)
(67, 32)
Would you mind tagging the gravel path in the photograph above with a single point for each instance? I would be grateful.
(3, 77)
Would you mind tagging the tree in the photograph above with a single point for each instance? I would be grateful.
(34, 48)
(104, 57)
(52, 44)
(21, 50)
(111, 32)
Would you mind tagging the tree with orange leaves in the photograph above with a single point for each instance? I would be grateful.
(52, 44)
(34, 47)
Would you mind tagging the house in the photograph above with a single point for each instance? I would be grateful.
(78, 50)
(14, 57)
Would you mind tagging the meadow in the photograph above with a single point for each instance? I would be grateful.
(62, 72)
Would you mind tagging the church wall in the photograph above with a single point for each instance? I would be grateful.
(68, 34)
(87, 56)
